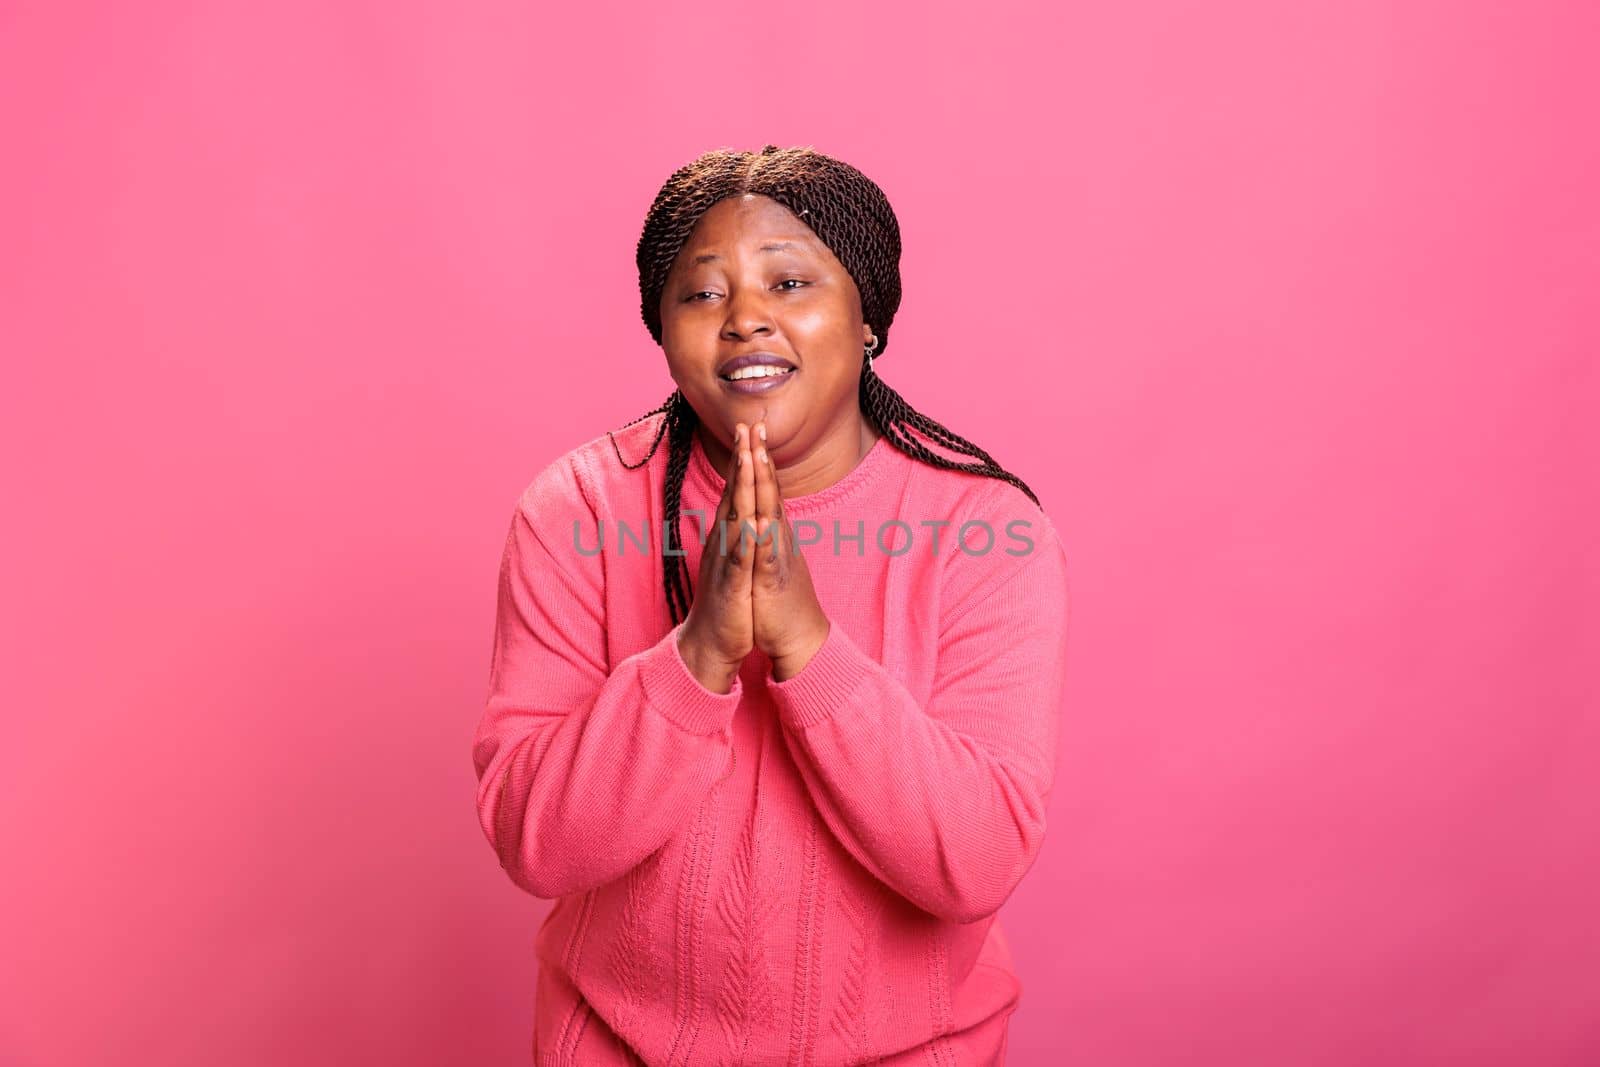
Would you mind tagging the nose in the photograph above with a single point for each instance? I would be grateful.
(747, 316)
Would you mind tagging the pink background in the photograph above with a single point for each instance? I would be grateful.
(1286, 310)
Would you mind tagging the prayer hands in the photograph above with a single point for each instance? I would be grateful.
(757, 591)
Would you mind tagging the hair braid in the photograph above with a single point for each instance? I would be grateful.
(679, 427)
(890, 413)
(851, 215)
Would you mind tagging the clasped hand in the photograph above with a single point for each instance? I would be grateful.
(754, 590)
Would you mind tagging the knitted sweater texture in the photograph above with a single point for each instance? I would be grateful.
(802, 872)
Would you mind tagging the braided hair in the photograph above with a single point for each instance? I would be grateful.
(851, 215)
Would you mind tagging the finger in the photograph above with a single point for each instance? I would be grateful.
(769, 560)
(733, 454)
(714, 533)
(785, 540)
(732, 515)
(744, 498)
(777, 551)
(766, 479)
(730, 476)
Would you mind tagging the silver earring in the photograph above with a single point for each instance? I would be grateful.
(870, 349)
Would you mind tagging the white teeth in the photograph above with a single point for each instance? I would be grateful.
(759, 371)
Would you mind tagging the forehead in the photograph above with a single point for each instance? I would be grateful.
(748, 220)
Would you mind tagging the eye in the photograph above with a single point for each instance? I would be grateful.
(696, 296)
(796, 281)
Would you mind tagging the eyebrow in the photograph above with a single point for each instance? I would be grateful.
(784, 246)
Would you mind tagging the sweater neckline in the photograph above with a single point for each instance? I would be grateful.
(868, 469)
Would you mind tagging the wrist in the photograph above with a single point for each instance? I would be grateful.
(714, 673)
(792, 663)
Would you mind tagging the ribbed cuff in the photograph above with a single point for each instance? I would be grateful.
(824, 684)
(673, 690)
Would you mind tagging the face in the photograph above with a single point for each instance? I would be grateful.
(754, 279)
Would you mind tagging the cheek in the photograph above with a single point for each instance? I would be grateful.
(681, 322)
(684, 362)
(674, 335)
(828, 338)
(825, 322)
(687, 347)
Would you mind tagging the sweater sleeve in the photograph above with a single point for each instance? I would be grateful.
(583, 772)
(944, 803)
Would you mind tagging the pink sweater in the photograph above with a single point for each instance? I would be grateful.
(798, 872)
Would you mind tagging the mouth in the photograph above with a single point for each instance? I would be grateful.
(730, 368)
(759, 372)
(762, 380)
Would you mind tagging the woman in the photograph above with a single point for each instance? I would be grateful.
(779, 805)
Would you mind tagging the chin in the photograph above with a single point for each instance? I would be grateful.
(750, 409)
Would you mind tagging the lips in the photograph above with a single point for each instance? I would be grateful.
(753, 359)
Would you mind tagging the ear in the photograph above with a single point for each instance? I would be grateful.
(866, 334)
